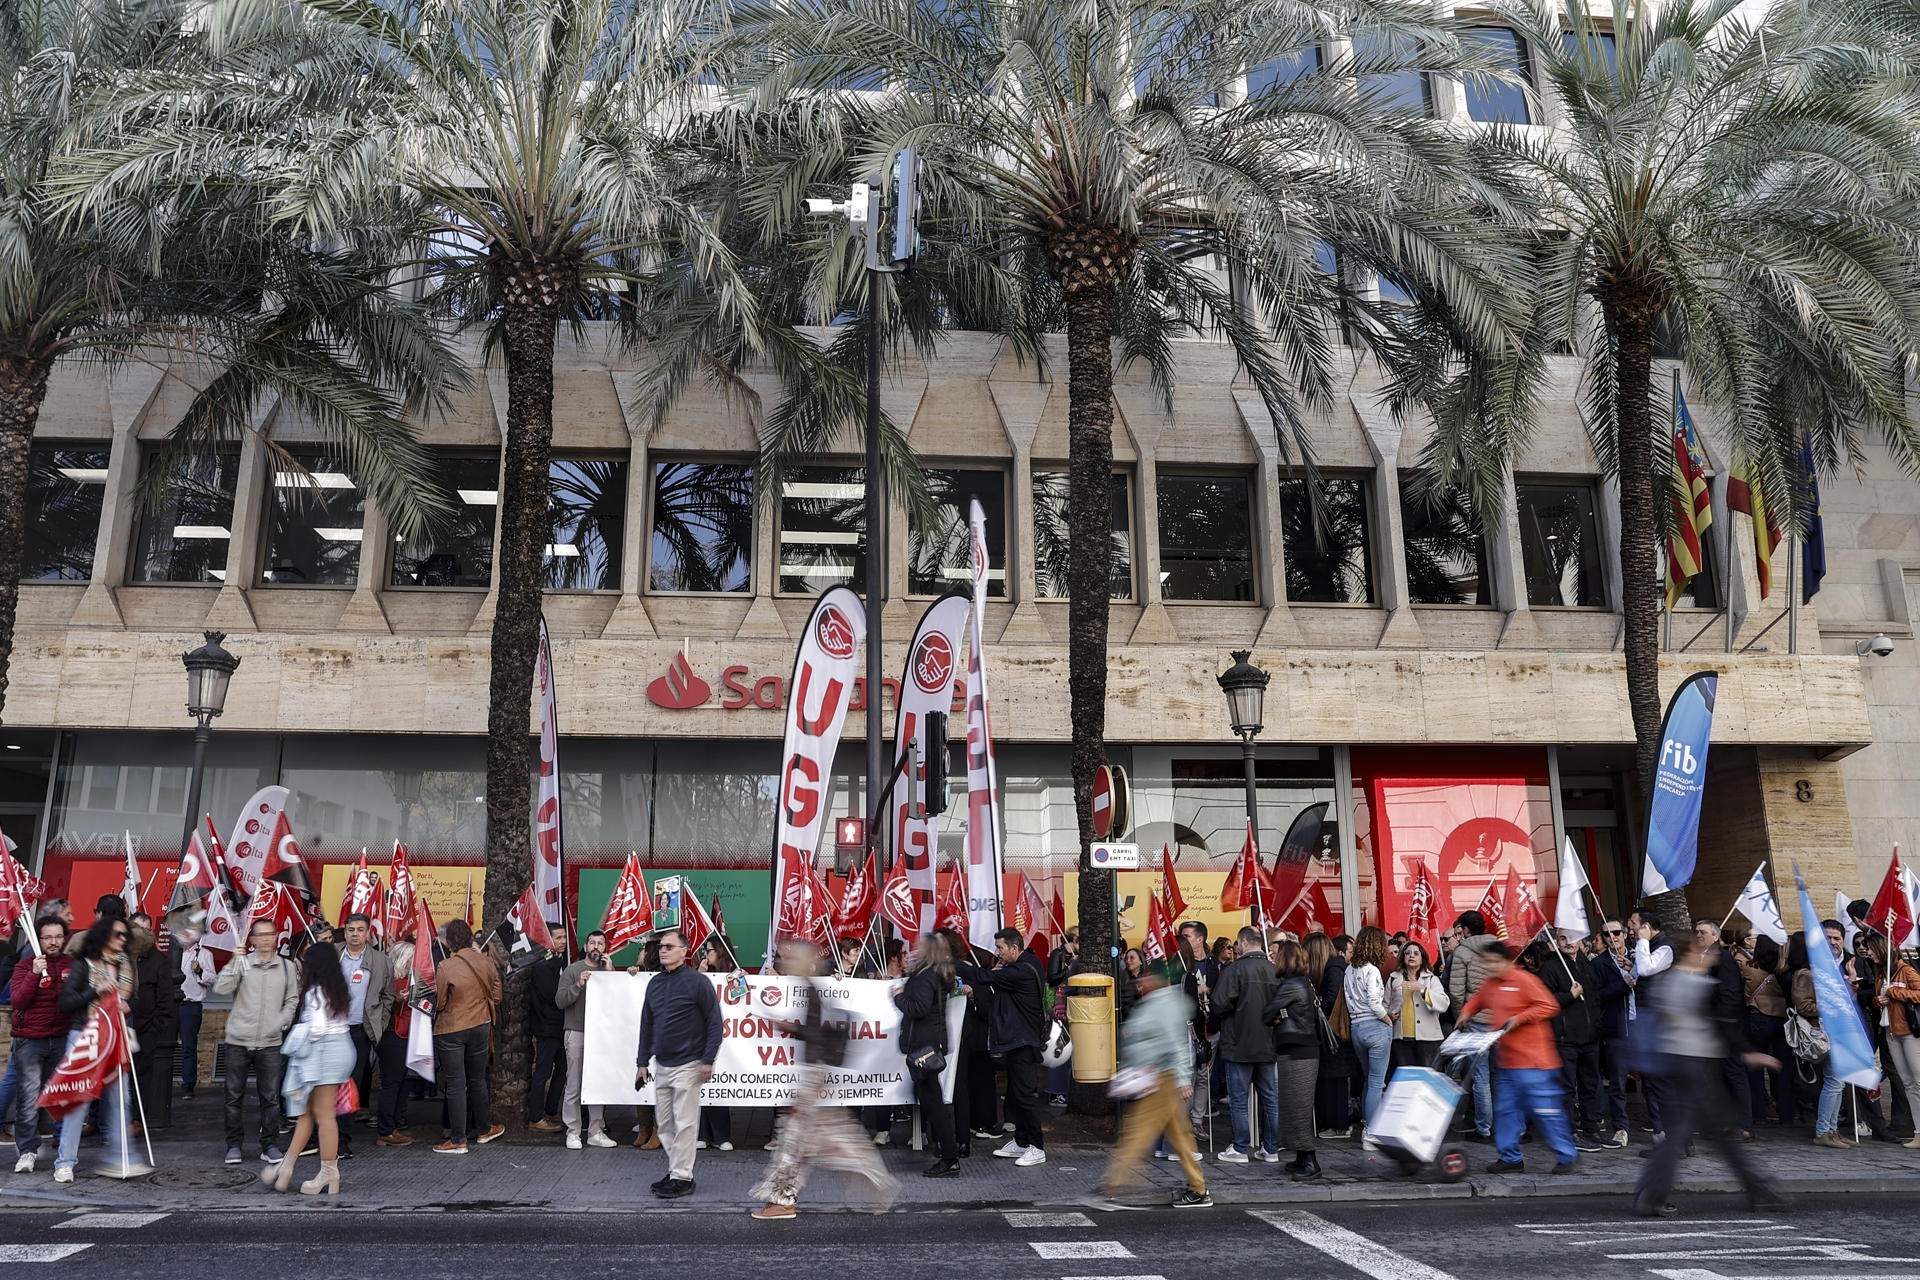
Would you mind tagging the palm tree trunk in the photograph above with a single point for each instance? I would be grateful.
(23, 386)
(1632, 328)
(524, 531)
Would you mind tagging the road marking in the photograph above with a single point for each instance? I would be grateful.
(111, 1221)
(1654, 1226)
(39, 1252)
(1699, 1273)
(1775, 1253)
(1347, 1246)
(1015, 1219)
(1080, 1249)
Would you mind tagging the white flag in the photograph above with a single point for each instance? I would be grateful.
(130, 888)
(1757, 905)
(420, 1042)
(1846, 921)
(1911, 883)
(1570, 912)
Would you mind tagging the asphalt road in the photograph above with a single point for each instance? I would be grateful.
(1714, 1238)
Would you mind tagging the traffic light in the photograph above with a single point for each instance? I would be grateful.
(935, 773)
(849, 842)
(903, 209)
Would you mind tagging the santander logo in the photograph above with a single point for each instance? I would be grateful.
(835, 633)
(679, 689)
(933, 662)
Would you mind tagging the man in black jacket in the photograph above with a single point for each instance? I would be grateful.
(548, 1024)
(1246, 1044)
(1613, 983)
(680, 1028)
(1017, 1030)
(1576, 1034)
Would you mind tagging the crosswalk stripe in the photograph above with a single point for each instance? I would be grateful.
(1349, 1247)
(1080, 1249)
(112, 1221)
(1018, 1219)
(39, 1252)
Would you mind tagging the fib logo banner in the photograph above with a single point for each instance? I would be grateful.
(1679, 785)
(759, 1064)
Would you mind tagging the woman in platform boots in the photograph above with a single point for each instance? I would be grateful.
(319, 1060)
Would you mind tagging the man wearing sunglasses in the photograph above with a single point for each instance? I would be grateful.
(1613, 984)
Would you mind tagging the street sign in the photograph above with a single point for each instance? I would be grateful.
(1110, 803)
(1116, 857)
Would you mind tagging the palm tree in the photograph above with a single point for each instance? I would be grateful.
(1097, 166)
(1748, 188)
(200, 281)
(523, 141)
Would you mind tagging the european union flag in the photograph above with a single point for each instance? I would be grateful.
(1813, 547)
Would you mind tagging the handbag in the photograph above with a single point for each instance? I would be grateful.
(1130, 1083)
(347, 1100)
(930, 1061)
(1340, 1021)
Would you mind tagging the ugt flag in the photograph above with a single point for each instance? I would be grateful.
(1679, 783)
(1849, 1050)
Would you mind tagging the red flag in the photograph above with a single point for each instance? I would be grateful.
(1154, 945)
(897, 903)
(424, 933)
(398, 920)
(98, 1055)
(1246, 886)
(1420, 909)
(284, 862)
(629, 912)
(20, 893)
(853, 913)
(1494, 908)
(473, 921)
(1170, 886)
(953, 907)
(275, 902)
(1312, 914)
(1891, 913)
(718, 920)
(528, 922)
(224, 864)
(819, 907)
(1058, 910)
(695, 925)
(1524, 918)
(1029, 911)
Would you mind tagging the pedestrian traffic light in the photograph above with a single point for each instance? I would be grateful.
(849, 842)
(934, 774)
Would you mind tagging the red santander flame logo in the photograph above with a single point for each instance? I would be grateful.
(933, 662)
(835, 633)
(679, 689)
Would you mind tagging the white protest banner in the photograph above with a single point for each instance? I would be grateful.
(984, 880)
(252, 834)
(548, 877)
(759, 1064)
(823, 675)
(928, 686)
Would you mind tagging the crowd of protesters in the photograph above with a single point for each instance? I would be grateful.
(1290, 1042)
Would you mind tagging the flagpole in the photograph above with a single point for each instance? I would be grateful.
(145, 1136)
(1736, 901)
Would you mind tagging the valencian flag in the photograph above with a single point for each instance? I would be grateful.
(1745, 495)
(1692, 503)
(1892, 910)
(96, 1056)
(1813, 547)
(1849, 1050)
(1679, 785)
(629, 913)
(1169, 885)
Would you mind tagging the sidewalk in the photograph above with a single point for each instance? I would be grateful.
(508, 1176)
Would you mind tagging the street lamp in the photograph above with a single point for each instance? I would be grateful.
(405, 786)
(1246, 688)
(209, 669)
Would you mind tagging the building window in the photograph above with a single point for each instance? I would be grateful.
(1560, 543)
(1446, 552)
(1050, 537)
(1206, 538)
(587, 498)
(1282, 71)
(185, 531)
(823, 529)
(1400, 90)
(1499, 101)
(1329, 559)
(315, 521)
(458, 550)
(66, 486)
(940, 554)
(702, 527)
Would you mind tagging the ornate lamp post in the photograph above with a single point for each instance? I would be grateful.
(209, 669)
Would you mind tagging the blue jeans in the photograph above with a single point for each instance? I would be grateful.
(113, 1124)
(1531, 1091)
(1832, 1088)
(1373, 1045)
(34, 1060)
(1265, 1077)
(9, 1089)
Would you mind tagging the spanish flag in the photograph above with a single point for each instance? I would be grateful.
(1744, 495)
(1692, 503)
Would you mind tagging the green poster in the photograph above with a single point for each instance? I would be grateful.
(744, 907)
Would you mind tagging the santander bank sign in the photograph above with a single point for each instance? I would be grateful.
(680, 688)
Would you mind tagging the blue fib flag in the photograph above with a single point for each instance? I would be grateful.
(1850, 1051)
(1679, 783)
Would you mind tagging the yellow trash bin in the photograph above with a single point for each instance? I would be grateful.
(1090, 1019)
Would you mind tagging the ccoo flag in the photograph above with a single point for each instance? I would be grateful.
(1679, 782)
(1849, 1051)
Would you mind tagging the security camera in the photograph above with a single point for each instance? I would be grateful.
(1879, 646)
